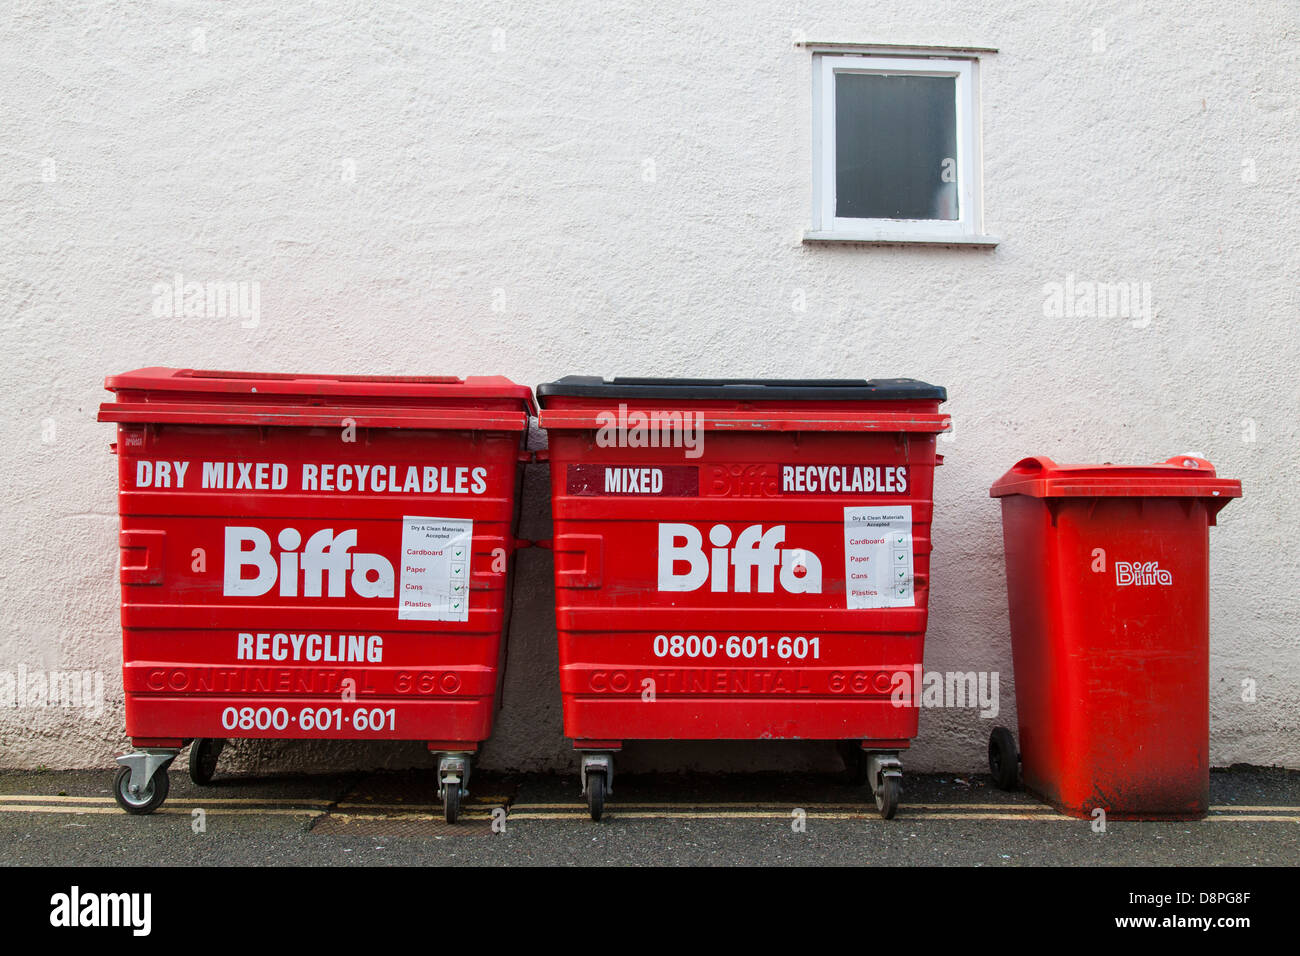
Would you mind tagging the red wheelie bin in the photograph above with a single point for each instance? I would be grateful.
(1108, 588)
(312, 556)
(741, 560)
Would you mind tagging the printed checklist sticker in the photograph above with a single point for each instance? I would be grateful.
(878, 557)
(435, 569)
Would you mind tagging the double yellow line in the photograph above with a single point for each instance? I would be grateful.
(480, 808)
(864, 811)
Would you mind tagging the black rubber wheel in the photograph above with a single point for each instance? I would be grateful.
(887, 795)
(596, 793)
(855, 762)
(1004, 760)
(146, 802)
(451, 800)
(203, 760)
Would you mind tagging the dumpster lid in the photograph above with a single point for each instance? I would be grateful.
(1183, 476)
(268, 398)
(742, 389)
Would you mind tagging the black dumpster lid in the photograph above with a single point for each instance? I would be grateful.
(743, 389)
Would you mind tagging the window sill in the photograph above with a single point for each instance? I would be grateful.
(914, 239)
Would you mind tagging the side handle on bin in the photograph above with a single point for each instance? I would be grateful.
(141, 556)
(1033, 466)
(579, 560)
(1191, 462)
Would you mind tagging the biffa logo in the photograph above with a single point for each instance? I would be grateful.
(1141, 573)
(755, 551)
(325, 559)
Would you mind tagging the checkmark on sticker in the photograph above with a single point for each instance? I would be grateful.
(434, 583)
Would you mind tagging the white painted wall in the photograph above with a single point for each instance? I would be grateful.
(388, 172)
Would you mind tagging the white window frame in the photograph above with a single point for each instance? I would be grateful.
(967, 229)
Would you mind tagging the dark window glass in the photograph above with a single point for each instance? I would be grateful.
(893, 134)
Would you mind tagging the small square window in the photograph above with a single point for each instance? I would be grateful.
(895, 149)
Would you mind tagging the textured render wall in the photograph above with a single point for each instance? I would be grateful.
(610, 188)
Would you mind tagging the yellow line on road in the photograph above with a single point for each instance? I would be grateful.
(204, 801)
(482, 810)
(33, 808)
(859, 805)
(246, 801)
(904, 814)
(778, 815)
(165, 811)
(411, 807)
(401, 817)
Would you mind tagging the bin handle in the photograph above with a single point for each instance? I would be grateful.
(592, 549)
(1033, 466)
(1191, 462)
(148, 547)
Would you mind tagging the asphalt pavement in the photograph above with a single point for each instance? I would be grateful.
(70, 818)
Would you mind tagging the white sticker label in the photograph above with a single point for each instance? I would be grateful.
(878, 557)
(435, 569)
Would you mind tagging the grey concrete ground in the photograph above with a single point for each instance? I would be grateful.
(69, 818)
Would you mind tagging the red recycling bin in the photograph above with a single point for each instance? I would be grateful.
(741, 560)
(1108, 587)
(312, 556)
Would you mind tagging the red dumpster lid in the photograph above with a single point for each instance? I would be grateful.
(743, 389)
(1183, 476)
(752, 404)
(190, 396)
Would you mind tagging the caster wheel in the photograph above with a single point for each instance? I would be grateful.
(146, 801)
(451, 800)
(596, 793)
(203, 759)
(1004, 760)
(887, 794)
(855, 762)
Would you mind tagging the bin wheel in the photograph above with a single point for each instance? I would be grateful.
(596, 793)
(856, 770)
(148, 800)
(887, 795)
(1004, 760)
(203, 760)
(451, 800)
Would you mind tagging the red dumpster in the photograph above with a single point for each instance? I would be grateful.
(1108, 587)
(311, 556)
(741, 560)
